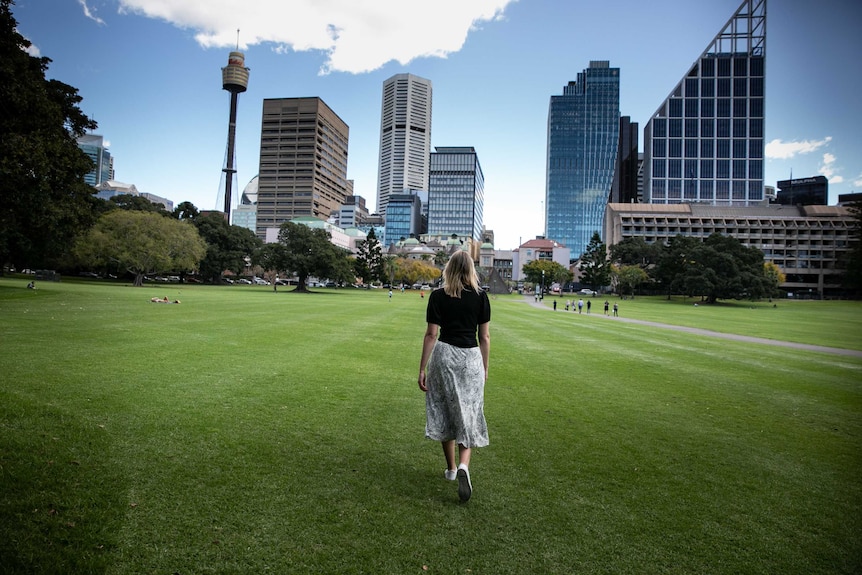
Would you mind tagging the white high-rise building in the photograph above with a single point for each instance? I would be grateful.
(405, 137)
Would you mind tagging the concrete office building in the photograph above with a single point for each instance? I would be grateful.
(405, 137)
(583, 140)
(303, 162)
(705, 142)
(808, 243)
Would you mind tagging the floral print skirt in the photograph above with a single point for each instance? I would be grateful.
(455, 402)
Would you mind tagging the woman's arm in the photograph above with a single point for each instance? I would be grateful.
(485, 344)
(427, 347)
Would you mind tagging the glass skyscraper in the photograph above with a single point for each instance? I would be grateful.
(456, 193)
(103, 167)
(705, 142)
(583, 137)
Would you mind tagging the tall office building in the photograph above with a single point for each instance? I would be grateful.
(103, 164)
(403, 217)
(705, 142)
(303, 161)
(625, 186)
(583, 137)
(405, 137)
(456, 193)
(813, 191)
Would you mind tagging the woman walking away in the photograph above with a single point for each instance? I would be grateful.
(453, 369)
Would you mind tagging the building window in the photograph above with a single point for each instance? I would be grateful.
(659, 128)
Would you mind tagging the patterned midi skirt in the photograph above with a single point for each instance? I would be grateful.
(455, 401)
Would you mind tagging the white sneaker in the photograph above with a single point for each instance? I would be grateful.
(451, 474)
(465, 488)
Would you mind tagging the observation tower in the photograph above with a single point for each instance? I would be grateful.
(234, 78)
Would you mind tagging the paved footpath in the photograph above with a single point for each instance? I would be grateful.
(705, 332)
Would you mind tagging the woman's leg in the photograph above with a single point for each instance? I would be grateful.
(449, 452)
(463, 455)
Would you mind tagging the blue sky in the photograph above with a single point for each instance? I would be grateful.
(150, 74)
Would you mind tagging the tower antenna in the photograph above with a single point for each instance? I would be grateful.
(237, 39)
(234, 80)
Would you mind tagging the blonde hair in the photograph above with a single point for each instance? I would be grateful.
(460, 274)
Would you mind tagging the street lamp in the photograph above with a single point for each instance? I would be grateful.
(543, 284)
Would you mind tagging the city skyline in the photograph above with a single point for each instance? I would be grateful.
(150, 75)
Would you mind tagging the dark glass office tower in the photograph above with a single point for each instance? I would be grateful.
(705, 142)
(625, 188)
(583, 136)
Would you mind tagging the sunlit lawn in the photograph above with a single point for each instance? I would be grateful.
(246, 431)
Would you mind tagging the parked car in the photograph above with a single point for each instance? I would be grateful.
(260, 281)
(587, 291)
(243, 281)
(227, 280)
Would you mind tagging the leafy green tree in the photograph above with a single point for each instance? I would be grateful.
(309, 252)
(630, 277)
(635, 251)
(142, 243)
(228, 247)
(272, 258)
(554, 272)
(369, 258)
(594, 265)
(45, 202)
(774, 278)
(673, 261)
(723, 268)
(137, 204)
(186, 211)
(390, 268)
(441, 258)
(413, 271)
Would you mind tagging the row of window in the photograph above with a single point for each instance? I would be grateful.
(715, 107)
(707, 128)
(708, 169)
(739, 148)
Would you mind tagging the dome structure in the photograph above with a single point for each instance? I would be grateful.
(249, 194)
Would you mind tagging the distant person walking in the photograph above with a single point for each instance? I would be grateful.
(616, 308)
(555, 305)
(390, 294)
(606, 307)
(589, 305)
(453, 369)
(580, 305)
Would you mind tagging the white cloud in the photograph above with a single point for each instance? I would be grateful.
(858, 181)
(89, 14)
(357, 36)
(828, 169)
(32, 49)
(779, 150)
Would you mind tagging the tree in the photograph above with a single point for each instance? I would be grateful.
(186, 211)
(272, 258)
(138, 204)
(635, 251)
(721, 267)
(774, 278)
(554, 272)
(594, 265)
(369, 258)
(672, 262)
(309, 252)
(228, 247)
(142, 243)
(629, 277)
(46, 202)
(413, 271)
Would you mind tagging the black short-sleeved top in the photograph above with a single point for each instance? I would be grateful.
(458, 318)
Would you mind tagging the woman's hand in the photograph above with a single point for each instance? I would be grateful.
(422, 385)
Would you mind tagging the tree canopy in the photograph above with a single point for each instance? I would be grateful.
(554, 272)
(368, 264)
(228, 247)
(141, 243)
(46, 202)
(594, 265)
(309, 252)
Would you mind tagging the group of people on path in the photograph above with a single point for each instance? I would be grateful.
(579, 306)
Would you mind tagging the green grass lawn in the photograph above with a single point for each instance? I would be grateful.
(246, 431)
